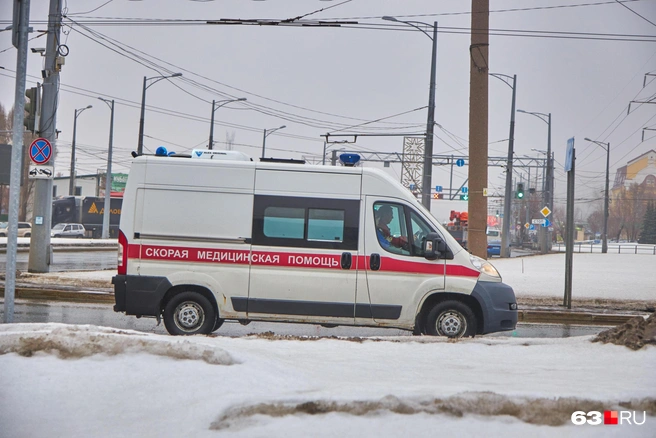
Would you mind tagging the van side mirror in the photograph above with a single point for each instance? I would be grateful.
(434, 247)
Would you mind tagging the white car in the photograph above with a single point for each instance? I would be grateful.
(68, 230)
(24, 229)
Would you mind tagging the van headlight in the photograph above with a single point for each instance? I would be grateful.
(484, 267)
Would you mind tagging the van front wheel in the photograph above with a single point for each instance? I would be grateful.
(452, 319)
(189, 313)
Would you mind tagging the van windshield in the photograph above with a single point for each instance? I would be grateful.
(58, 227)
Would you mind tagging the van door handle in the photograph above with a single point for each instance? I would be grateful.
(347, 259)
(374, 262)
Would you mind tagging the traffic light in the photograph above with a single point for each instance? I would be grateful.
(519, 193)
(32, 109)
(464, 197)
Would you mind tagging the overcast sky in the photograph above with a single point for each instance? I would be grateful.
(332, 79)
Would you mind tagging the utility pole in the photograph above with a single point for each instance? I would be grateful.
(39, 260)
(108, 173)
(478, 125)
(507, 199)
(20, 30)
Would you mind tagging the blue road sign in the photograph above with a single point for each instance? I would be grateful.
(438, 189)
(412, 187)
(465, 190)
(531, 227)
(460, 162)
(546, 223)
(40, 151)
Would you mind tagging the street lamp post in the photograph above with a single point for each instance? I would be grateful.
(606, 146)
(214, 108)
(427, 178)
(108, 173)
(545, 236)
(266, 134)
(143, 105)
(71, 183)
(507, 199)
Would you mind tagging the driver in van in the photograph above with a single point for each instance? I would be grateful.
(384, 216)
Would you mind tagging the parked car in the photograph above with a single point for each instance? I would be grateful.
(68, 230)
(494, 248)
(24, 229)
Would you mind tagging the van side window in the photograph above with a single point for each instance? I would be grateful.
(419, 229)
(391, 228)
(306, 222)
(284, 222)
(326, 225)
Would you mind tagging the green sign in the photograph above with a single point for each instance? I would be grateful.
(118, 182)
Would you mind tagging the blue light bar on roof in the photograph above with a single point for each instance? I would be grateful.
(349, 160)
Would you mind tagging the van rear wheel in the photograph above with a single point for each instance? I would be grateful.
(452, 319)
(189, 313)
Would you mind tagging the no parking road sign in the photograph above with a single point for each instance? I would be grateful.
(40, 151)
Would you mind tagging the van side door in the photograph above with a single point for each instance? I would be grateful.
(303, 259)
(398, 274)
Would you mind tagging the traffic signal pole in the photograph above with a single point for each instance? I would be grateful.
(39, 259)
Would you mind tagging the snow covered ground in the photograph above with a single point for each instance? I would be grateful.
(81, 381)
(87, 381)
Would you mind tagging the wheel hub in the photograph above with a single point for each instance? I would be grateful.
(451, 324)
(189, 315)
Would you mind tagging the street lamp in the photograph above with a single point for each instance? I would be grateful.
(143, 105)
(606, 146)
(545, 239)
(426, 181)
(507, 199)
(214, 108)
(71, 183)
(267, 133)
(108, 173)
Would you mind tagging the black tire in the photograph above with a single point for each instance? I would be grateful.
(27, 235)
(452, 319)
(217, 324)
(189, 313)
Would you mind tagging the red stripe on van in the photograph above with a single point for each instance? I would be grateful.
(290, 259)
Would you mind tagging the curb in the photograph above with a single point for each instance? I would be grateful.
(73, 295)
(106, 296)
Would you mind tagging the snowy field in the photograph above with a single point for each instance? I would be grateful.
(60, 380)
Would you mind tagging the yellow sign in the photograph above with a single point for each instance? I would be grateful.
(545, 211)
(526, 225)
(485, 191)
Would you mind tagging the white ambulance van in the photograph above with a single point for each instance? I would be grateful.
(202, 241)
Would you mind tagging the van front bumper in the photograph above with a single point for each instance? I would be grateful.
(498, 305)
(139, 295)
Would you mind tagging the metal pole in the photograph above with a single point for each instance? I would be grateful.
(71, 181)
(548, 188)
(507, 199)
(141, 120)
(324, 154)
(40, 250)
(211, 143)
(264, 142)
(430, 128)
(108, 176)
(604, 243)
(16, 158)
(569, 235)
